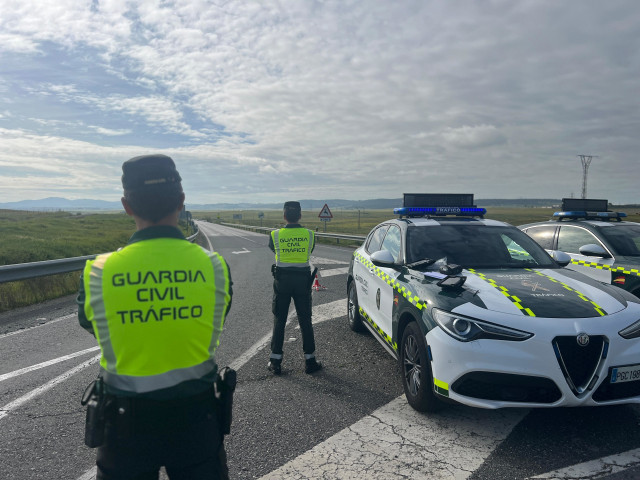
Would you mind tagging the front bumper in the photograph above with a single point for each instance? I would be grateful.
(497, 373)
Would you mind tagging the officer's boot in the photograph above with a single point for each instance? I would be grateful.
(274, 366)
(311, 365)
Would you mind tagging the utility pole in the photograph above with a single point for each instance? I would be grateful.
(586, 161)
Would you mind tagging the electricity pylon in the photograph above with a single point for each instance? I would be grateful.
(586, 161)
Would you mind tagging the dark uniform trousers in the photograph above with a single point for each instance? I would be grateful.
(288, 284)
(183, 435)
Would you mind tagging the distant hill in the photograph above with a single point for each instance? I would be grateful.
(57, 204)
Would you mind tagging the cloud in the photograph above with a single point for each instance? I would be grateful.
(474, 137)
(322, 99)
(110, 132)
(17, 43)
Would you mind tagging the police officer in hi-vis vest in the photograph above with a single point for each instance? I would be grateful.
(157, 308)
(292, 245)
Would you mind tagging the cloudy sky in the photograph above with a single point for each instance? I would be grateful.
(274, 100)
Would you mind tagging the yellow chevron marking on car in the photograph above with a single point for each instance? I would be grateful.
(441, 387)
(402, 289)
(597, 307)
(516, 300)
(602, 266)
(384, 336)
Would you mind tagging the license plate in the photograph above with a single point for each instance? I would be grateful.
(625, 374)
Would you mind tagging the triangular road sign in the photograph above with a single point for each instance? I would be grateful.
(325, 212)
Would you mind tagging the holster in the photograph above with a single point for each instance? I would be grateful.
(313, 277)
(94, 399)
(224, 387)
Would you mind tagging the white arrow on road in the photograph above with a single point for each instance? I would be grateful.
(244, 250)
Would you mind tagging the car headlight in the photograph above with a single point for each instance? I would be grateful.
(632, 331)
(467, 329)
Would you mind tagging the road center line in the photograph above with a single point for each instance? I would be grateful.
(38, 366)
(9, 407)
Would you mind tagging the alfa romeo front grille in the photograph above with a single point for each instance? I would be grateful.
(580, 363)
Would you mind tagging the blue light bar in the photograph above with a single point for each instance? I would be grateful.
(441, 211)
(593, 215)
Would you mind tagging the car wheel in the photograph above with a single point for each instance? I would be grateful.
(353, 313)
(417, 379)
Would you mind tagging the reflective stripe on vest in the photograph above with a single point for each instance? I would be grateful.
(157, 308)
(293, 246)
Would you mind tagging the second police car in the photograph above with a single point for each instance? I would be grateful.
(478, 313)
(600, 244)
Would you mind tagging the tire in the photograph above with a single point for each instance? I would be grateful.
(353, 311)
(417, 379)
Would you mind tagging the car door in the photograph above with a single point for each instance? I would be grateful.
(570, 239)
(544, 235)
(363, 273)
(381, 293)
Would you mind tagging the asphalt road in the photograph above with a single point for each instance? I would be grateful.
(349, 421)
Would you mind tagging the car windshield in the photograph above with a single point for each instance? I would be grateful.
(475, 246)
(625, 239)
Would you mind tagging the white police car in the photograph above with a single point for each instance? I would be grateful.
(599, 243)
(478, 313)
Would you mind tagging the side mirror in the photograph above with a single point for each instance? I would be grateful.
(563, 259)
(382, 258)
(594, 250)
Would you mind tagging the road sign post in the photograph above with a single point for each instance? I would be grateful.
(325, 216)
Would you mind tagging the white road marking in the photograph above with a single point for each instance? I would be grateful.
(38, 366)
(205, 225)
(320, 313)
(235, 233)
(327, 261)
(395, 441)
(595, 468)
(89, 474)
(206, 236)
(333, 271)
(244, 250)
(9, 407)
(66, 317)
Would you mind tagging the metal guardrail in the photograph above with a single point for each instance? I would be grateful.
(24, 271)
(336, 236)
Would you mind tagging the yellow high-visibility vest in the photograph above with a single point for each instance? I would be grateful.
(157, 307)
(293, 246)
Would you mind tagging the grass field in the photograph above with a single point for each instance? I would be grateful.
(36, 236)
(360, 222)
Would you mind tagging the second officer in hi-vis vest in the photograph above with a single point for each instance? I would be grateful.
(157, 308)
(292, 245)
